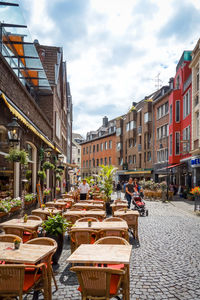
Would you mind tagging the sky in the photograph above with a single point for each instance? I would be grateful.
(114, 49)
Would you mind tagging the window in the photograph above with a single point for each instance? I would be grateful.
(86, 163)
(127, 126)
(178, 82)
(119, 160)
(170, 144)
(89, 163)
(166, 108)
(105, 161)
(101, 161)
(130, 143)
(79, 151)
(83, 164)
(197, 80)
(110, 161)
(170, 114)
(97, 162)
(166, 154)
(186, 138)
(149, 156)
(93, 163)
(106, 145)
(90, 149)
(118, 131)
(130, 159)
(84, 150)
(93, 148)
(177, 111)
(197, 124)
(158, 156)
(144, 156)
(134, 159)
(110, 144)
(101, 146)
(97, 147)
(118, 146)
(177, 143)
(57, 125)
(78, 159)
(87, 150)
(186, 105)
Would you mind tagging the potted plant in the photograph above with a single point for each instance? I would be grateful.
(29, 199)
(16, 155)
(28, 174)
(41, 175)
(57, 190)
(4, 208)
(196, 192)
(55, 227)
(47, 165)
(15, 204)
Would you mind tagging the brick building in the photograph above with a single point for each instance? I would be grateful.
(99, 148)
(134, 141)
(161, 133)
(37, 98)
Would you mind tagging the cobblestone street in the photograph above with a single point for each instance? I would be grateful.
(166, 263)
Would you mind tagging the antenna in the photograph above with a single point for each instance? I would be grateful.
(158, 82)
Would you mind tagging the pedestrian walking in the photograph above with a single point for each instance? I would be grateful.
(83, 189)
(129, 191)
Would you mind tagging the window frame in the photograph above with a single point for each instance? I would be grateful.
(177, 111)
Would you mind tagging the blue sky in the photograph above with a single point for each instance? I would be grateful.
(114, 48)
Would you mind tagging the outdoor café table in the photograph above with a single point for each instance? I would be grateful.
(86, 213)
(46, 211)
(131, 217)
(57, 204)
(30, 224)
(101, 225)
(104, 254)
(26, 254)
(70, 196)
(116, 206)
(88, 205)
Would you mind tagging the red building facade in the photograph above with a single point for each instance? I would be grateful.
(180, 121)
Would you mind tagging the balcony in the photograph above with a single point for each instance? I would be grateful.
(139, 147)
(139, 130)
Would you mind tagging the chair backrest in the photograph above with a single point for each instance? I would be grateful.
(82, 236)
(9, 238)
(96, 282)
(122, 209)
(34, 217)
(75, 208)
(86, 219)
(43, 216)
(130, 219)
(114, 232)
(72, 218)
(113, 219)
(24, 233)
(50, 205)
(97, 209)
(112, 240)
(100, 218)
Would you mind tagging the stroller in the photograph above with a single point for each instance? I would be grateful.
(139, 205)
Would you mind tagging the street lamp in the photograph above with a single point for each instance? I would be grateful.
(47, 153)
(14, 132)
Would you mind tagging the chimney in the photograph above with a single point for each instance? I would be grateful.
(171, 83)
(105, 121)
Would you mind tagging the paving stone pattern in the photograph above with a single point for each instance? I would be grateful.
(165, 263)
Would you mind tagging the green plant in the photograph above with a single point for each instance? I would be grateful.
(42, 175)
(28, 174)
(47, 192)
(16, 155)
(107, 173)
(59, 171)
(58, 177)
(29, 197)
(47, 165)
(55, 225)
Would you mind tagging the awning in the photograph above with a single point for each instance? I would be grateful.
(173, 166)
(26, 121)
(137, 172)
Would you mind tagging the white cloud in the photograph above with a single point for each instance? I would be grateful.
(117, 57)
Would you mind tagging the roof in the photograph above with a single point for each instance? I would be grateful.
(77, 136)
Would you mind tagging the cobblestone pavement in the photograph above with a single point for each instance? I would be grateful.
(165, 263)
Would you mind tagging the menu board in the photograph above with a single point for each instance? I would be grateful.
(39, 192)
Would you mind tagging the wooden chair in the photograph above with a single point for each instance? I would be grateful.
(99, 283)
(113, 219)
(117, 207)
(15, 281)
(86, 219)
(24, 233)
(72, 218)
(43, 216)
(75, 208)
(100, 218)
(48, 259)
(82, 236)
(132, 221)
(114, 232)
(97, 209)
(112, 240)
(9, 238)
(34, 217)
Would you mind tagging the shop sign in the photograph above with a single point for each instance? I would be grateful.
(195, 162)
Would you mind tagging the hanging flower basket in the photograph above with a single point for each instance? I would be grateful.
(16, 155)
(47, 165)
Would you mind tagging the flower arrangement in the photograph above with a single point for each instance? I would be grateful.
(5, 206)
(16, 202)
(25, 218)
(58, 177)
(17, 242)
(41, 175)
(47, 192)
(43, 206)
(29, 197)
(57, 189)
(195, 191)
